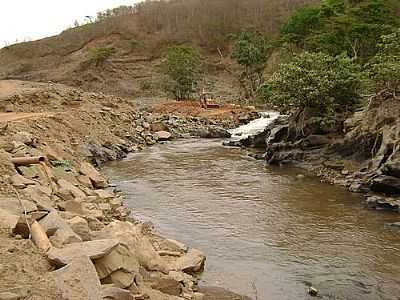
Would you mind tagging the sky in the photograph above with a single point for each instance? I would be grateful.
(34, 19)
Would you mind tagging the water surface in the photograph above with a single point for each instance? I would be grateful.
(263, 229)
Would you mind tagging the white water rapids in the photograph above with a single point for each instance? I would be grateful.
(254, 127)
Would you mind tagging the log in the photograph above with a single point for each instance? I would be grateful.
(39, 237)
(26, 161)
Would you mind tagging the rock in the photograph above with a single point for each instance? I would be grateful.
(56, 226)
(114, 293)
(315, 140)
(192, 262)
(81, 227)
(24, 137)
(213, 132)
(386, 184)
(132, 236)
(358, 187)
(95, 177)
(392, 169)
(20, 182)
(121, 279)
(278, 133)
(166, 285)
(120, 258)
(172, 245)
(395, 225)
(312, 291)
(73, 206)
(78, 280)
(13, 206)
(93, 250)
(382, 203)
(23, 226)
(85, 181)
(104, 206)
(163, 135)
(67, 187)
(102, 194)
(115, 203)
(7, 219)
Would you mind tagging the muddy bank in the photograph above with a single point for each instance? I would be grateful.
(361, 153)
(59, 205)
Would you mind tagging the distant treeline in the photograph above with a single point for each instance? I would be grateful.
(208, 22)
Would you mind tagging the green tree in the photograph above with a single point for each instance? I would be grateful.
(250, 51)
(384, 68)
(100, 54)
(322, 83)
(182, 65)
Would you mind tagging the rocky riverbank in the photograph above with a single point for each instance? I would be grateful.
(362, 154)
(65, 234)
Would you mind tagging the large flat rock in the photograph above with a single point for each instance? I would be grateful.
(92, 249)
(78, 280)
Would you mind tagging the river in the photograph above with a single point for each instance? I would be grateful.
(264, 230)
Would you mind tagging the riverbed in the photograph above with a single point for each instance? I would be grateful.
(266, 232)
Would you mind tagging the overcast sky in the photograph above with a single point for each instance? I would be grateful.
(33, 19)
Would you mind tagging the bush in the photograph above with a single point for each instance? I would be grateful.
(317, 81)
(182, 65)
(384, 68)
(100, 54)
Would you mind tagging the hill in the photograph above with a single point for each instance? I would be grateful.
(135, 39)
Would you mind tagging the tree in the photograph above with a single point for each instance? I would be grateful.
(317, 81)
(182, 65)
(100, 54)
(250, 51)
(384, 68)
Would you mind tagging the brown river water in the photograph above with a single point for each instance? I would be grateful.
(264, 230)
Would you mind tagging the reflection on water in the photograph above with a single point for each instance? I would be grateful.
(262, 226)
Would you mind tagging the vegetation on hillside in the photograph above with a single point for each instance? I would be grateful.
(338, 50)
(182, 65)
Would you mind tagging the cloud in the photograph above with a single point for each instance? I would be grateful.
(27, 19)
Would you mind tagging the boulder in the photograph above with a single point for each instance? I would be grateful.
(192, 262)
(121, 279)
(81, 227)
(20, 182)
(138, 243)
(65, 188)
(163, 135)
(120, 258)
(78, 280)
(85, 181)
(166, 285)
(392, 169)
(213, 132)
(386, 184)
(95, 177)
(13, 206)
(56, 226)
(73, 206)
(92, 249)
(114, 293)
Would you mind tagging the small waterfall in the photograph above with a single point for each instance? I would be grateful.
(254, 127)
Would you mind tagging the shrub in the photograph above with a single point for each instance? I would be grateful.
(182, 65)
(323, 83)
(100, 54)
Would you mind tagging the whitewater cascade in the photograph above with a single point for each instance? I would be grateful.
(254, 127)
